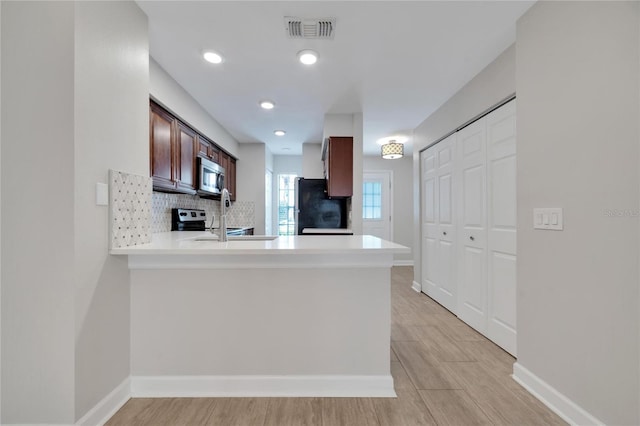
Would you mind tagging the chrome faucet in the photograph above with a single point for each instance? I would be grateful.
(225, 203)
(213, 218)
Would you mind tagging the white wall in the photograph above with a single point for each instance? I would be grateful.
(337, 125)
(111, 131)
(0, 210)
(75, 80)
(37, 188)
(165, 90)
(402, 198)
(250, 171)
(288, 164)
(491, 85)
(578, 105)
(268, 159)
(356, 199)
(312, 161)
(269, 196)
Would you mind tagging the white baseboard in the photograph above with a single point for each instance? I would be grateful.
(262, 386)
(403, 263)
(568, 410)
(108, 406)
(416, 287)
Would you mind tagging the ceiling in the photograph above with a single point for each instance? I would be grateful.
(396, 62)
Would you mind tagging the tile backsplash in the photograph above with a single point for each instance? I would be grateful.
(130, 209)
(241, 213)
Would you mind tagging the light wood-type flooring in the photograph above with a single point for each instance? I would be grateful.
(445, 373)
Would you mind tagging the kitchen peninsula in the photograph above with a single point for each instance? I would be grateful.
(295, 316)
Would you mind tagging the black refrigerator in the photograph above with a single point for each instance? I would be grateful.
(314, 210)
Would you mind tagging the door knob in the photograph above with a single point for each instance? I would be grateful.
(444, 233)
(471, 238)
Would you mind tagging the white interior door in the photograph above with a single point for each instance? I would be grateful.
(429, 208)
(501, 177)
(445, 235)
(376, 204)
(472, 258)
(439, 231)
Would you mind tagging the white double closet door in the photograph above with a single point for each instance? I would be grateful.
(469, 225)
(438, 224)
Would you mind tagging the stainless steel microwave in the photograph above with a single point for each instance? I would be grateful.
(210, 177)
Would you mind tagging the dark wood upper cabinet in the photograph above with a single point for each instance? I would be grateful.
(161, 131)
(186, 159)
(337, 156)
(224, 162)
(231, 173)
(174, 147)
(208, 149)
(214, 153)
(203, 148)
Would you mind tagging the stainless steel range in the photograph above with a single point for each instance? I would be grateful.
(188, 220)
(196, 220)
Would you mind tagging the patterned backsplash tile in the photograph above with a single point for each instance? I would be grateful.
(241, 213)
(130, 209)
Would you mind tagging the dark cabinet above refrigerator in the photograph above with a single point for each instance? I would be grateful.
(337, 158)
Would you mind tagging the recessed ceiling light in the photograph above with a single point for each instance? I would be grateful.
(267, 104)
(307, 57)
(212, 57)
(279, 132)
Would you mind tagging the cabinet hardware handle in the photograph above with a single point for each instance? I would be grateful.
(444, 233)
(471, 238)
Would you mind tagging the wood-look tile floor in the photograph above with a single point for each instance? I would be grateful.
(444, 372)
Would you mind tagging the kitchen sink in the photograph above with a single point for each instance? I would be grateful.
(210, 237)
(214, 237)
(251, 237)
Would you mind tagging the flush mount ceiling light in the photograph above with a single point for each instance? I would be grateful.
(267, 104)
(279, 132)
(307, 57)
(212, 57)
(392, 150)
(395, 139)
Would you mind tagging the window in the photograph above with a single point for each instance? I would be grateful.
(286, 204)
(372, 200)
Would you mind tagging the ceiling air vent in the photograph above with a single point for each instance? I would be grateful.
(309, 28)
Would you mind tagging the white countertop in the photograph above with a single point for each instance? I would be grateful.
(183, 243)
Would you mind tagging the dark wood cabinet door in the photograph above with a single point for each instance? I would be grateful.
(231, 178)
(161, 131)
(204, 148)
(174, 148)
(339, 167)
(214, 153)
(186, 159)
(224, 162)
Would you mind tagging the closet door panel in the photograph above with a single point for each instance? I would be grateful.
(503, 194)
(429, 221)
(446, 292)
(473, 185)
(501, 173)
(472, 212)
(473, 265)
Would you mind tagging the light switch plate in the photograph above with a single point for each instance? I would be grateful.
(549, 218)
(102, 194)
